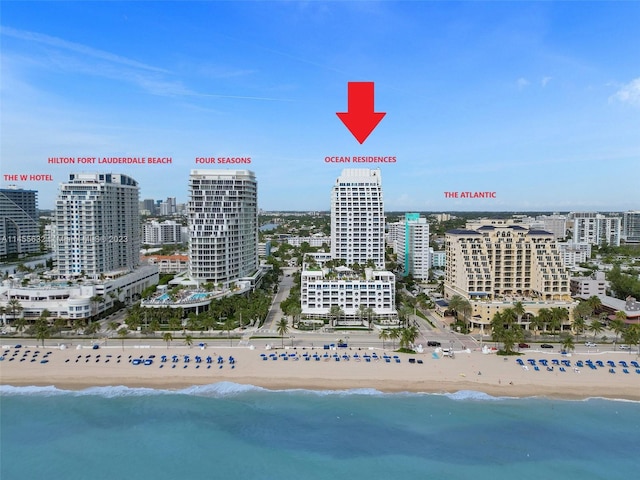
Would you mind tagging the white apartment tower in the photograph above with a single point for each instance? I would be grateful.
(596, 229)
(97, 224)
(223, 225)
(631, 226)
(413, 246)
(357, 217)
(156, 233)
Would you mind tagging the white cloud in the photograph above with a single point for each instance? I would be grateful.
(522, 83)
(545, 80)
(629, 93)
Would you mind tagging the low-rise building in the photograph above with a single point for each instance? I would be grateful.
(586, 287)
(353, 293)
(74, 300)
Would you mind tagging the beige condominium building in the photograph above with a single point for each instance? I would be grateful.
(495, 266)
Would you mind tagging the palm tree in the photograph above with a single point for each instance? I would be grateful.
(167, 337)
(229, 324)
(578, 325)
(283, 329)
(383, 335)
(631, 335)
(544, 317)
(42, 330)
(94, 301)
(519, 310)
(618, 325)
(596, 327)
(335, 312)
(558, 317)
(122, 333)
(535, 324)
(460, 304)
(188, 340)
(14, 306)
(404, 313)
(594, 302)
(408, 336)
(394, 334)
(567, 344)
(370, 314)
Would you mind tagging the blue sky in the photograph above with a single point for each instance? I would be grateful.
(538, 102)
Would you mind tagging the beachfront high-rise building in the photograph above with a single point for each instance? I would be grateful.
(631, 226)
(357, 218)
(596, 229)
(223, 225)
(414, 255)
(495, 265)
(18, 222)
(360, 292)
(97, 225)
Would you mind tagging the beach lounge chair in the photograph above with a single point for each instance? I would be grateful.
(611, 370)
(625, 370)
(635, 364)
(536, 368)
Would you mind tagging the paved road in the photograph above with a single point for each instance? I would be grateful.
(275, 314)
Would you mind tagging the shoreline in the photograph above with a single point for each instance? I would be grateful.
(81, 369)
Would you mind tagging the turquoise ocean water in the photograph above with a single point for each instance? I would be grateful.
(230, 431)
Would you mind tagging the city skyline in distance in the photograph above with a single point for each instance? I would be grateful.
(517, 99)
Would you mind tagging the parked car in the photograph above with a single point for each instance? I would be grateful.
(433, 343)
(625, 347)
(546, 345)
(523, 345)
(590, 344)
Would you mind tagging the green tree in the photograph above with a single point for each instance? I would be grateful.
(383, 335)
(335, 312)
(394, 334)
(229, 325)
(518, 309)
(408, 336)
(578, 324)
(544, 317)
(558, 316)
(594, 302)
(596, 327)
(283, 329)
(567, 344)
(459, 305)
(167, 337)
(631, 336)
(122, 333)
(42, 330)
(15, 307)
(188, 340)
(618, 325)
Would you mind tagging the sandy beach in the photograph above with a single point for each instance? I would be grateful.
(498, 376)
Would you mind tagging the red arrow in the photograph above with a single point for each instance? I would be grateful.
(360, 119)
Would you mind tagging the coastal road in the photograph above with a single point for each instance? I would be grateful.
(275, 313)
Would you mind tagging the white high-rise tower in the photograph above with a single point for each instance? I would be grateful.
(97, 224)
(357, 217)
(223, 225)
